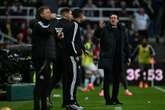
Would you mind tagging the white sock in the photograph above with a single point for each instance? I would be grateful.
(93, 78)
(86, 82)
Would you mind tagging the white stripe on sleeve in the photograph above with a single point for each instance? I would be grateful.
(74, 35)
(42, 25)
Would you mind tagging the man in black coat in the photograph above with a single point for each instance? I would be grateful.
(113, 56)
(59, 67)
(74, 50)
(43, 53)
(68, 50)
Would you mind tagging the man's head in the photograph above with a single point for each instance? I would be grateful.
(78, 15)
(44, 12)
(114, 19)
(141, 11)
(144, 42)
(101, 23)
(66, 13)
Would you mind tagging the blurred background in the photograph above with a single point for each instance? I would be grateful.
(141, 18)
(15, 34)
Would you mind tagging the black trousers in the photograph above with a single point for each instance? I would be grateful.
(112, 74)
(42, 86)
(71, 81)
(59, 73)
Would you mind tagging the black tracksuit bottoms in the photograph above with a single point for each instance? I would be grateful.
(71, 81)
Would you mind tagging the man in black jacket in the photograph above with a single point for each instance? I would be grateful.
(43, 53)
(73, 49)
(59, 67)
(113, 56)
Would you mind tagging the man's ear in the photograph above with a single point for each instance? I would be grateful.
(118, 20)
(41, 15)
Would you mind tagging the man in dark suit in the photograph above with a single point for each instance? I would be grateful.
(68, 51)
(59, 67)
(43, 53)
(114, 55)
(73, 49)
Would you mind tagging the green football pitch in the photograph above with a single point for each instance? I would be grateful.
(143, 99)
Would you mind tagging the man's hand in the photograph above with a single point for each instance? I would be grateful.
(129, 62)
(77, 58)
(60, 35)
(53, 15)
(152, 60)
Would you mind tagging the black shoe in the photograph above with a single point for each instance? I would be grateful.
(63, 105)
(114, 102)
(118, 102)
(110, 103)
(74, 107)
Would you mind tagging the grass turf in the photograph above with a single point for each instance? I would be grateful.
(143, 99)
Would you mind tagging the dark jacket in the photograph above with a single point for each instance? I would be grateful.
(72, 40)
(43, 41)
(108, 46)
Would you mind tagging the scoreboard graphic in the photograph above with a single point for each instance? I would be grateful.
(155, 73)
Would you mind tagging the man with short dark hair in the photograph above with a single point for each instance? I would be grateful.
(73, 50)
(59, 67)
(114, 55)
(68, 49)
(43, 53)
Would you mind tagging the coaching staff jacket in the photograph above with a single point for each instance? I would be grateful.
(72, 38)
(43, 41)
(109, 44)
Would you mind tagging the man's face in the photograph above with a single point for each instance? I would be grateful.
(101, 23)
(114, 20)
(70, 16)
(46, 14)
(141, 11)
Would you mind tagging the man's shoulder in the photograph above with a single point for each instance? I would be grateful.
(121, 26)
(66, 23)
(33, 23)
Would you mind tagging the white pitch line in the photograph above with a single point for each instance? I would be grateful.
(118, 108)
(160, 89)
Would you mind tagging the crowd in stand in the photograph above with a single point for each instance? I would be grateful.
(18, 28)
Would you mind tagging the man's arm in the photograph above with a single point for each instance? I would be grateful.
(98, 33)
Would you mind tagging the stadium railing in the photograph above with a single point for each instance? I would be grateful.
(101, 12)
(29, 12)
(5, 37)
